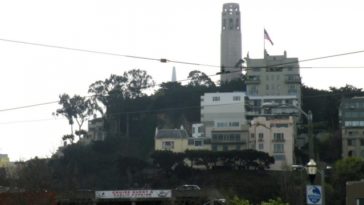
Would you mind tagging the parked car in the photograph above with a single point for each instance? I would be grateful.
(188, 187)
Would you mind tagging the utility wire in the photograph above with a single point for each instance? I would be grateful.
(170, 109)
(163, 60)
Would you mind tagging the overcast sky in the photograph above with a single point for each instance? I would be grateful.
(187, 30)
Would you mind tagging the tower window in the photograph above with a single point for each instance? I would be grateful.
(231, 24)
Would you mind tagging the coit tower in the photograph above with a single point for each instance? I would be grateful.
(230, 43)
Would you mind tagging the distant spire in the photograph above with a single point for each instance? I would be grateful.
(174, 78)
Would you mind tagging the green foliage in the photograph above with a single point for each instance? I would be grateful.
(34, 175)
(74, 108)
(166, 160)
(237, 201)
(242, 160)
(198, 78)
(349, 169)
(277, 201)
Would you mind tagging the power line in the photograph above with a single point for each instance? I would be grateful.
(27, 121)
(162, 60)
(28, 106)
(169, 109)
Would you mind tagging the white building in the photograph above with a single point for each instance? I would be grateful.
(274, 136)
(223, 116)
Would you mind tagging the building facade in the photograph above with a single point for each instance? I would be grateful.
(4, 160)
(178, 140)
(231, 52)
(274, 136)
(223, 117)
(287, 105)
(96, 131)
(351, 114)
(274, 75)
(222, 110)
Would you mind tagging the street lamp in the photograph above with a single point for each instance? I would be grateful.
(312, 170)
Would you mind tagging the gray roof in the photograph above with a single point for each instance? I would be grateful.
(171, 133)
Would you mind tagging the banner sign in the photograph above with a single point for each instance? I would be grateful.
(133, 194)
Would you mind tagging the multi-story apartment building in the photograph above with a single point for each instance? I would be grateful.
(274, 75)
(274, 136)
(351, 114)
(223, 116)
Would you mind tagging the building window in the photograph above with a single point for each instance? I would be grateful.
(278, 148)
(278, 137)
(238, 147)
(225, 148)
(191, 142)
(214, 148)
(234, 124)
(351, 142)
(198, 143)
(260, 137)
(221, 124)
(216, 98)
(260, 146)
(361, 142)
(168, 145)
(236, 98)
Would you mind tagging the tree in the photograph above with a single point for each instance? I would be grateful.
(348, 169)
(35, 175)
(198, 78)
(75, 109)
(137, 81)
(167, 160)
(130, 85)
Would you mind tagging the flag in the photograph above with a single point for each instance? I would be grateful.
(266, 36)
